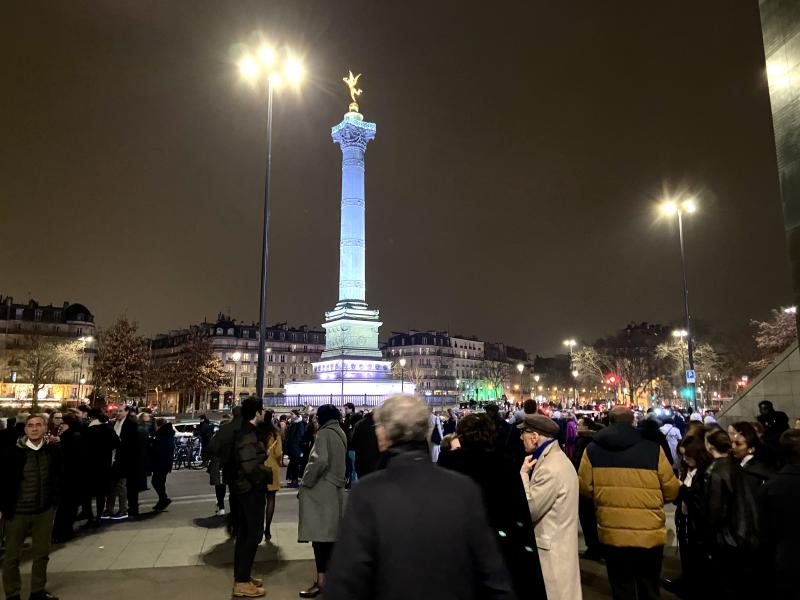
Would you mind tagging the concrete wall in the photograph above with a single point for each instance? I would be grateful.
(779, 383)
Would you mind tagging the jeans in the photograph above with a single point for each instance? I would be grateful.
(40, 528)
(249, 511)
(634, 573)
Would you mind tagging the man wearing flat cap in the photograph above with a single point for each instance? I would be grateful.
(551, 487)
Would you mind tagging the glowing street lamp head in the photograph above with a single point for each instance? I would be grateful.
(575, 373)
(689, 205)
(402, 362)
(669, 207)
(520, 367)
(266, 54)
(248, 67)
(293, 70)
(790, 310)
(237, 356)
(679, 333)
(275, 79)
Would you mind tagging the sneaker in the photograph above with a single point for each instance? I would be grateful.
(247, 590)
(106, 515)
(221, 512)
(119, 516)
(43, 595)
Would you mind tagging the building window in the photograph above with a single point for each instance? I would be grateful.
(294, 370)
(270, 357)
(245, 357)
(283, 358)
(244, 381)
(269, 381)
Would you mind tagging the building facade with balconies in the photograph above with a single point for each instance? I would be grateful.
(24, 325)
(289, 354)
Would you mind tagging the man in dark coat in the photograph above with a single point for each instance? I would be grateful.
(503, 429)
(72, 449)
(249, 481)
(506, 508)
(294, 436)
(365, 446)
(414, 530)
(774, 422)
(31, 472)
(779, 528)
(161, 456)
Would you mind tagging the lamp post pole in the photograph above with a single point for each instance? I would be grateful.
(402, 374)
(262, 307)
(689, 342)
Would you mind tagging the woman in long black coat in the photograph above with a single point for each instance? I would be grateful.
(504, 499)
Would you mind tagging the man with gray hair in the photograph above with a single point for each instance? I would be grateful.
(391, 543)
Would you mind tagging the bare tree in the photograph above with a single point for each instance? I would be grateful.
(774, 336)
(496, 374)
(42, 359)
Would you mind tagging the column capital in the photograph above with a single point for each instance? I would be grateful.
(352, 132)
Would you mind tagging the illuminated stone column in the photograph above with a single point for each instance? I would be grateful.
(352, 135)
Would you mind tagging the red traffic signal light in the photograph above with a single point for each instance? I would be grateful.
(612, 379)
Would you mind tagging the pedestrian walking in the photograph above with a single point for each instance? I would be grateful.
(629, 478)
(321, 495)
(271, 438)
(249, 479)
(506, 509)
(162, 454)
(414, 530)
(32, 473)
(551, 487)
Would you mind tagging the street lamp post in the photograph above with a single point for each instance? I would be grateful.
(236, 357)
(402, 374)
(81, 379)
(520, 369)
(252, 69)
(674, 208)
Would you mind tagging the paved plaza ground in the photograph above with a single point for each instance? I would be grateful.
(185, 553)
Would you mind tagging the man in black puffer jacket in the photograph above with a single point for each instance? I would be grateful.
(32, 472)
(249, 492)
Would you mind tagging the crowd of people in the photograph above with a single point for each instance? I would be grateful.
(471, 504)
(60, 468)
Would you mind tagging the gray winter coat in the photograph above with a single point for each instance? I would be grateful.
(322, 491)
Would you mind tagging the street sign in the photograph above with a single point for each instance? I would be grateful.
(690, 376)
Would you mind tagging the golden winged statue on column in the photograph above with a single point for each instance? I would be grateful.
(352, 82)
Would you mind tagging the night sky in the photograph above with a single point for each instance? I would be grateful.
(520, 151)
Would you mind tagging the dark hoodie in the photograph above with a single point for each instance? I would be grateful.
(630, 480)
